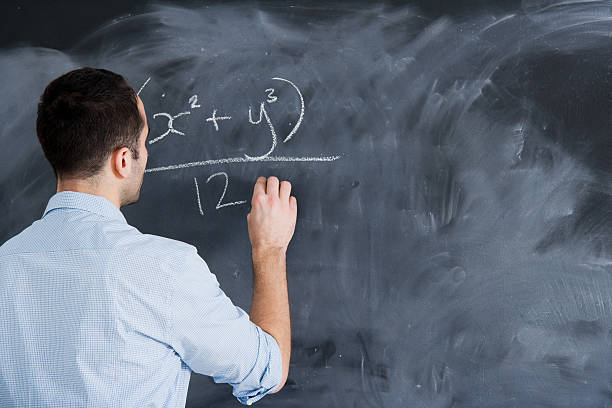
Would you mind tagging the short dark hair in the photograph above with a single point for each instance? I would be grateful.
(85, 115)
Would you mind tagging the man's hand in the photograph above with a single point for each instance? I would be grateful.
(271, 221)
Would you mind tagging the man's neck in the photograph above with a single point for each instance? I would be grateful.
(86, 186)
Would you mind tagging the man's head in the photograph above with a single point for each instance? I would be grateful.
(93, 128)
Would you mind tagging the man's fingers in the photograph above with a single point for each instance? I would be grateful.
(285, 190)
(260, 185)
(272, 186)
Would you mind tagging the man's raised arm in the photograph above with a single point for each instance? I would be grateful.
(271, 224)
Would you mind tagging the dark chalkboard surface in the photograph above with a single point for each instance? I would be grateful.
(452, 164)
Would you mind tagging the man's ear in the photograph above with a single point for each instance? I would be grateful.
(120, 162)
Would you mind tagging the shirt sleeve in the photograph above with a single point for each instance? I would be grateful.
(216, 338)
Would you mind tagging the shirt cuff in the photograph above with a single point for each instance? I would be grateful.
(267, 373)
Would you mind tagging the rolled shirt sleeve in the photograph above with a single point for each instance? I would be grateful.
(216, 338)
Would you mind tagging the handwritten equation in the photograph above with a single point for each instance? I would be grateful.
(216, 120)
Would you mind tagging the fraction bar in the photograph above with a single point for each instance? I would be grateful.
(243, 160)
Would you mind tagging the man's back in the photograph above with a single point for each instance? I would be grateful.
(95, 312)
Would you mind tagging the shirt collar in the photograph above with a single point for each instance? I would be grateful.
(86, 202)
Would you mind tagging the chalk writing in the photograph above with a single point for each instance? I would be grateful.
(198, 196)
(270, 98)
(143, 85)
(262, 111)
(220, 203)
(171, 128)
(194, 102)
(299, 122)
(229, 160)
(214, 118)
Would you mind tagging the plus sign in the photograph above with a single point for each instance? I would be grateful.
(214, 119)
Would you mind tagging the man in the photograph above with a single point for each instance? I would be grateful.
(96, 314)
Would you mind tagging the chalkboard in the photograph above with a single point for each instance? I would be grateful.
(452, 165)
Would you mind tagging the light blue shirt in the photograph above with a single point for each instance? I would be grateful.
(93, 313)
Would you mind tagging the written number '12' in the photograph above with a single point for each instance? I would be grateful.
(220, 203)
